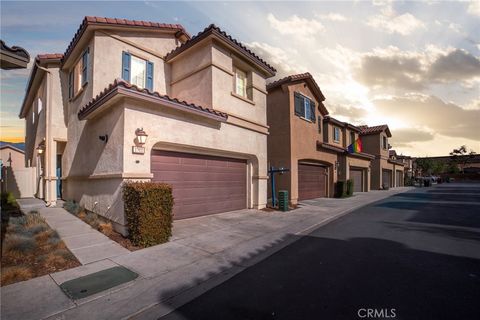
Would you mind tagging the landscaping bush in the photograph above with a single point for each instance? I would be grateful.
(350, 187)
(148, 210)
(7, 199)
(341, 189)
(72, 207)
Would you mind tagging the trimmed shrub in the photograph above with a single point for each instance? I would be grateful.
(341, 189)
(350, 187)
(148, 210)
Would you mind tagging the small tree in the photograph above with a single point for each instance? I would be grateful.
(462, 156)
(438, 167)
(425, 165)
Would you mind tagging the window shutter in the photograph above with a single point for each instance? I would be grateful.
(299, 105)
(149, 80)
(70, 85)
(313, 117)
(126, 66)
(85, 66)
(319, 124)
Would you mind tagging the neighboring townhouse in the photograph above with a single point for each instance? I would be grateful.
(408, 165)
(386, 172)
(356, 165)
(13, 57)
(144, 101)
(43, 109)
(302, 140)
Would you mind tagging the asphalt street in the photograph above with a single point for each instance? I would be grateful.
(415, 255)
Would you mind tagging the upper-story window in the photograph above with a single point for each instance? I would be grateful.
(352, 137)
(241, 82)
(137, 71)
(384, 143)
(319, 124)
(33, 115)
(304, 107)
(78, 77)
(39, 105)
(336, 134)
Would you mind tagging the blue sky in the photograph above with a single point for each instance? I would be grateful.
(413, 65)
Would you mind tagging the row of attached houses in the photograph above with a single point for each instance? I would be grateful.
(146, 101)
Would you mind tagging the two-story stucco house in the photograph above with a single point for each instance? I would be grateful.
(312, 145)
(199, 102)
(386, 171)
(355, 165)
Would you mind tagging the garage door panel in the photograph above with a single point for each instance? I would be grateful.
(311, 182)
(357, 176)
(201, 184)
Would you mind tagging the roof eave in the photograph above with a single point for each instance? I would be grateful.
(104, 102)
(215, 34)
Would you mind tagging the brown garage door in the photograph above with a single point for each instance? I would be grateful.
(399, 181)
(387, 178)
(357, 176)
(311, 181)
(201, 184)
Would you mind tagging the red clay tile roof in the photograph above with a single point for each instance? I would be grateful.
(301, 77)
(214, 30)
(122, 23)
(49, 56)
(39, 58)
(366, 130)
(120, 83)
(17, 51)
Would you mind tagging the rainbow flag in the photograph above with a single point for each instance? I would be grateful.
(355, 147)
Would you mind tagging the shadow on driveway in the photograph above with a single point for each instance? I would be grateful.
(323, 278)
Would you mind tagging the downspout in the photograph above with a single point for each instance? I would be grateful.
(47, 138)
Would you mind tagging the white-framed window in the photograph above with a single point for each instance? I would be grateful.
(33, 116)
(336, 134)
(352, 137)
(137, 71)
(39, 105)
(241, 82)
(78, 77)
(384, 143)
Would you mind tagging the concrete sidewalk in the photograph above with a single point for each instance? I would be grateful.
(86, 243)
(202, 253)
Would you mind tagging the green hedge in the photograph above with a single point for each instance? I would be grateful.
(350, 187)
(341, 189)
(148, 209)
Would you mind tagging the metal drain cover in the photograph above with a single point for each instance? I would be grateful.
(97, 282)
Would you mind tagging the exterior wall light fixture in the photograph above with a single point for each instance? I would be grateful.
(141, 136)
(140, 141)
(104, 138)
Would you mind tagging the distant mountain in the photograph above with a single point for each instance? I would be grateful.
(19, 145)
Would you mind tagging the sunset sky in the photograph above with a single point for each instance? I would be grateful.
(412, 65)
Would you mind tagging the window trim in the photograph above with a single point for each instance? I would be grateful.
(304, 115)
(245, 89)
(83, 74)
(352, 137)
(384, 143)
(148, 64)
